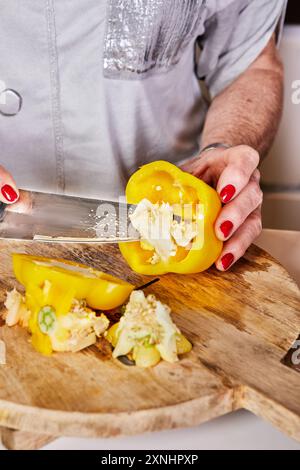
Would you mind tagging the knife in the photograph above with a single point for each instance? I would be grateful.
(56, 218)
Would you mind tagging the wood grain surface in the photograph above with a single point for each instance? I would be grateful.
(241, 324)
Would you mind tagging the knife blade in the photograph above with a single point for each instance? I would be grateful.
(56, 218)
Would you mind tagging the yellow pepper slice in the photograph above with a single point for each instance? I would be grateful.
(68, 280)
(163, 182)
(147, 355)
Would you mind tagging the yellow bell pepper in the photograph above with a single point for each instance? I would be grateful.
(163, 182)
(70, 280)
(40, 300)
(147, 355)
(51, 287)
(146, 332)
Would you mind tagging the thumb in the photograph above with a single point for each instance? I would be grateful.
(8, 190)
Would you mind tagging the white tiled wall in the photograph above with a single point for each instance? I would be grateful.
(281, 170)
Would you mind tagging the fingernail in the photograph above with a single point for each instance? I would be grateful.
(227, 193)
(227, 260)
(9, 193)
(226, 228)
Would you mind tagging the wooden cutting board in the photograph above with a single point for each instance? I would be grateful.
(241, 324)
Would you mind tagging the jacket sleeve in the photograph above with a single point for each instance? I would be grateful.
(234, 37)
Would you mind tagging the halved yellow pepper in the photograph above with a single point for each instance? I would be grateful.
(51, 287)
(161, 182)
(69, 280)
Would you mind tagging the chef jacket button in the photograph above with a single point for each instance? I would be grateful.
(10, 102)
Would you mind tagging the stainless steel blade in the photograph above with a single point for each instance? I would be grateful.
(55, 218)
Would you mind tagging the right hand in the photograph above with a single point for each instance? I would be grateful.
(9, 192)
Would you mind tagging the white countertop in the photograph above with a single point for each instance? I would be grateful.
(238, 431)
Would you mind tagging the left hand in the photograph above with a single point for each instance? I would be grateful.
(233, 173)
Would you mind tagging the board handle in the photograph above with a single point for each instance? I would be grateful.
(13, 439)
(276, 397)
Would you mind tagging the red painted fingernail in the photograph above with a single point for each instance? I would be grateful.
(226, 228)
(9, 193)
(227, 193)
(227, 260)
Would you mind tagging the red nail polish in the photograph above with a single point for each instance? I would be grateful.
(227, 193)
(9, 193)
(227, 260)
(226, 228)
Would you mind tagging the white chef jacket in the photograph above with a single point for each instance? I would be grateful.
(92, 89)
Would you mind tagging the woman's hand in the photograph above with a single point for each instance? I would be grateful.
(9, 192)
(234, 174)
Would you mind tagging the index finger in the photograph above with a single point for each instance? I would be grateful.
(9, 192)
(242, 162)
